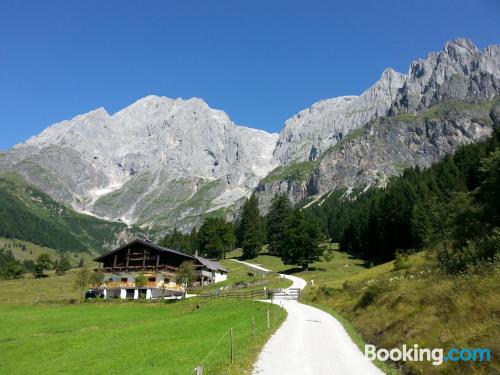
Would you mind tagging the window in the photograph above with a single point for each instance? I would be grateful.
(124, 279)
(110, 279)
(152, 279)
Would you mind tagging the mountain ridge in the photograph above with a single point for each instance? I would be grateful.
(171, 162)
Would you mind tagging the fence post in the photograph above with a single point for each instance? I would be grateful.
(232, 349)
(268, 322)
(253, 326)
(199, 370)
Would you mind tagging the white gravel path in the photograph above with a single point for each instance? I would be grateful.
(310, 342)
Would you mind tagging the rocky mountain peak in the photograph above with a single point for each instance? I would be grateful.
(155, 150)
(461, 46)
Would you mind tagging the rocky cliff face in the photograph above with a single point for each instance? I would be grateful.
(385, 147)
(173, 162)
(460, 72)
(307, 134)
(159, 160)
(344, 153)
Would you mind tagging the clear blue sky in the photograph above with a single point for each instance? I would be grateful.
(260, 61)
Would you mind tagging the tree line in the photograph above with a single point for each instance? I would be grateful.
(12, 268)
(285, 229)
(453, 207)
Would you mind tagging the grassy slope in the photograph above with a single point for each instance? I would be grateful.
(132, 338)
(239, 273)
(27, 289)
(390, 308)
(299, 171)
(29, 214)
(410, 305)
(342, 265)
(25, 250)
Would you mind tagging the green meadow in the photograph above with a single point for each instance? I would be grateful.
(133, 337)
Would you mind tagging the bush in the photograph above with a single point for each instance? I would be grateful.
(349, 287)
(326, 291)
(454, 260)
(400, 261)
(370, 295)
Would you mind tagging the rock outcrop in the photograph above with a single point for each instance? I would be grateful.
(348, 154)
(159, 160)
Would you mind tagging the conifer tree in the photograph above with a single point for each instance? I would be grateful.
(276, 222)
(250, 228)
(303, 239)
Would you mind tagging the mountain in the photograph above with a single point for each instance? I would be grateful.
(158, 161)
(307, 134)
(27, 213)
(443, 102)
(162, 162)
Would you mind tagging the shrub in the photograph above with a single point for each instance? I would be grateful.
(370, 295)
(464, 258)
(400, 261)
(326, 291)
(140, 280)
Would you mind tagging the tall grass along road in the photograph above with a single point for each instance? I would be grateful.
(310, 342)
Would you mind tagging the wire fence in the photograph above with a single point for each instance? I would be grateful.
(230, 337)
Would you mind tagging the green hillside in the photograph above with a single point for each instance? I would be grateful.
(25, 250)
(27, 213)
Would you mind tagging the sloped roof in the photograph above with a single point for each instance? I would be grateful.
(147, 244)
(210, 264)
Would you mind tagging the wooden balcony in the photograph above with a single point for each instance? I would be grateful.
(135, 269)
(119, 284)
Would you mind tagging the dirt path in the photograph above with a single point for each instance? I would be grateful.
(310, 342)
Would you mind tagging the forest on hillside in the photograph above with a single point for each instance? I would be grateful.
(453, 206)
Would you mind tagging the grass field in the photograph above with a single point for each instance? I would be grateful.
(133, 338)
(25, 250)
(26, 290)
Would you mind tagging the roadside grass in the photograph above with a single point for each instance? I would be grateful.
(414, 303)
(333, 272)
(133, 337)
(406, 302)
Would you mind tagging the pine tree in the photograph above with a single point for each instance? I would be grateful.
(215, 238)
(43, 262)
(63, 266)
(250, 228)
(303, 239)
(276, 223)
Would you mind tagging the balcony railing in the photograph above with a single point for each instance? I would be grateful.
(120, 284)
(116, 269)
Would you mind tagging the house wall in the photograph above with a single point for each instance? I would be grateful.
(220, 276)
(116, 277)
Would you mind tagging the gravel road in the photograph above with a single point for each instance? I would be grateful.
(310, 342)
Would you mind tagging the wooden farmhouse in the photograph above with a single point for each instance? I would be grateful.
(120, 267)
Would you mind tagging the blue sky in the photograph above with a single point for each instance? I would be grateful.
(260, 61)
